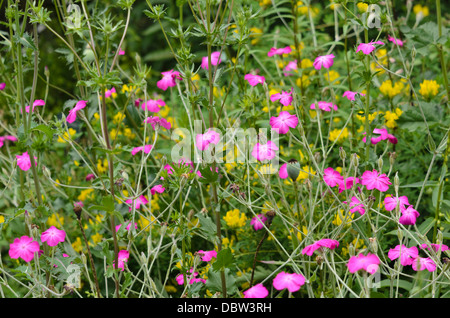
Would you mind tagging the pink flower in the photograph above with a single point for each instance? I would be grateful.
(121, 52)
(435, 247)
(274, 51)
(328, 243)
(395, 41)
(157, 188)
(292, 282)
(348, 183)
(282, 173)
(421, 263)
(127, 228)
(409, 216)
(146, 149)
(215, 60)
(73, 112)
(283, 122)
(53, 236)
(202, 141)
(372, 180)
(8, 137)
(168, 79)
(351, 95)
(109, 92)
(122, 257)
(24, 248)
(254, 80)
(90, 177)
(38, 102)
(257, 291)
(325, 106)
(332, 177)
(367, 48)
(137, 202)
(291, 66)
(264, 152)
(356, 206)
(24, 162)
(369, 263)
(284, 97)
(383, 136)
(258, 221)
(390, 203)
(2, 86)
(407, 255)
(153, 105)
(155, 120)
(325, 61)
(207, 255)
(192, 279)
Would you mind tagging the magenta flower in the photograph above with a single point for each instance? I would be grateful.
(24, 248)
(254, 80)
(24, 162)
(121, 52)
(257, 291)
(153, 105)
(395, 41)
(73, 112)
(258, 221)
(264, 152)
(7, 137)
(53, 236)
(157, 188)
(383, 136)
(127, 228)
(146, 149)
(90, 177)
(435, 247)
(192, 278)
(421, 263)
(38, 102)
(367, 48)
(109, 92)
(325, 61)
(325, 106)
(202, 141)
(328, 243)
(332, 177)
(155, 120)
(207, 255)
(284, 97)
(351, 95)
(137, 202)
(168, 80)
(348, 183)
(291, 66)
(356, 206)
(283, 122)
(215, 60)
(274, 51)
(2, 86)
(292, 282)
(122, 257)
(373, 180)
(407, 255)
(282, 173)
(369, 263)
(409, 216)
(390, 203)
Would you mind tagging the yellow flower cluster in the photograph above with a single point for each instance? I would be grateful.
(390, 90)
(304, 9)
(362, 7)
(67, 135)
(419, 9)
(391, 117)
(86, 194)
(339, 134)
(235, 219)
(340, 218)
(429, 88)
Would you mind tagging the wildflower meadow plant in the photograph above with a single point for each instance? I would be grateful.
(224, 149)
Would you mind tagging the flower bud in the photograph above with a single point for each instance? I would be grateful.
(293, 169)
(396, 182)
(380, 164)
(373, 244)
(400, 234)
(342, 153)
(392, 156)
(317, 157)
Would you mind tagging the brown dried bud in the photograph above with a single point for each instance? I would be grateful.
(270, 215)
(77, 209)
(319, 260)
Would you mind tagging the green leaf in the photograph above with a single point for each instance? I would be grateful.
(214, 282)
(224, 260)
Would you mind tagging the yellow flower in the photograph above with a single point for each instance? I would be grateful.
(418, 9)
(97, 238)
(363, 118)
(235, 219)
(118, 118)
(129, 89)
(196, 77)
(429, 88)
(102, 166)
(303, 80)
(255, 34)
(362, 7)
(338, 134)
(77, 245)
(265, 3)
(86, 194)
(299, 233)
(2, 219)
(391, 117)
(389, 90)
(341, 218)
(333, 76)
(127, 132)
(227, 243)
(53, 220)
(67, 135)
(357, 244)
(170, 289)
(304, 9)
